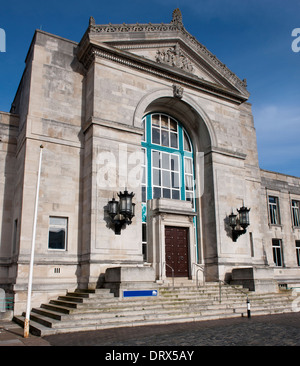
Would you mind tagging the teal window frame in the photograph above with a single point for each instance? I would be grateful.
(149, 147)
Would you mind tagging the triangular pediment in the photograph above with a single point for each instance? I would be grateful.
(173, 54)
(168, 46)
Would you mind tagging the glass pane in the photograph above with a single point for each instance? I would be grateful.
(143, 175)
(188, 166)
(175, 194)
(143, 157)
(165, 138)
(174, 163)
(173, 125)
(278, 255)
(61, 221)
(156, 192)
(156, 177)
(189, 182)
(166, 193)
(164, 122)
(187, 146)
(156, 159)
(155, 136)
(165, 161)
(56, 238)
(189, 196)
(144, 251)
(143, 194)
(175, 180)
(166, 178)
(155, 120)
(273, 214)
(174, 140)
(144, 233)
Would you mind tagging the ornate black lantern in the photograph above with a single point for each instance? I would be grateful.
(232, 220)
(113, 207)
(240, 222)
(126, 208)
(121, 212)
(244, 217)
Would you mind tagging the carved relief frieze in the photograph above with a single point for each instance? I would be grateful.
(174, 56)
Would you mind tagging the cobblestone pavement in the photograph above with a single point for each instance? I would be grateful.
(273, 330)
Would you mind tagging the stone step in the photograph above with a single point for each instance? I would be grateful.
(119, 311)
(99, 309)
(35, 328)
(158, 302)
(49, 313)
(95, 318)
(92, 324)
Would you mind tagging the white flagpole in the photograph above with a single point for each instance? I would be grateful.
(27, 317)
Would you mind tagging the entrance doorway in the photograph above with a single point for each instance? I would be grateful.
(176, 248)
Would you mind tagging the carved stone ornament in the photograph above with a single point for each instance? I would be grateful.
(177, 17)
(174, 57)
(178, 91)
(92, 21)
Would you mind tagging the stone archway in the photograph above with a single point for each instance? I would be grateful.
(202, 134)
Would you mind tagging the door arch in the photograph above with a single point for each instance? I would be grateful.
(192, 117)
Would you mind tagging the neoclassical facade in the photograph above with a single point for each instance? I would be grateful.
(143, 108)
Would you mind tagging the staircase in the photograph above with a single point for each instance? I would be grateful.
(84, 310)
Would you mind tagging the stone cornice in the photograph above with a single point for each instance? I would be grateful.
(112, 125)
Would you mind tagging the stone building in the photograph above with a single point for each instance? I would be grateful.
(143, 108)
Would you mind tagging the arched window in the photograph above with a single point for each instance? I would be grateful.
(168, 162)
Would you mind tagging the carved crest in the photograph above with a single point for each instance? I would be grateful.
(178, 91)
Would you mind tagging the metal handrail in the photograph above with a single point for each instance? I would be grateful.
(166, 264)
(236, 289)
(200, 268)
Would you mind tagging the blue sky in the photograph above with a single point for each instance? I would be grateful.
(252, 37)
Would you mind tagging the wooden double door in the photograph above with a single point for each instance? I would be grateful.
(177, 253)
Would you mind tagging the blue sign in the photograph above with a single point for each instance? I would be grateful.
(138, 293)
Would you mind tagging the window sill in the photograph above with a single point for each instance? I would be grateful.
(275, 225)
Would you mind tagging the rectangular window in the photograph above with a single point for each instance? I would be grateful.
(274, 210)
(165, 175)
(277, 252)
(164, 131)
(298, 251)
(295, 213)
(58, 227)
